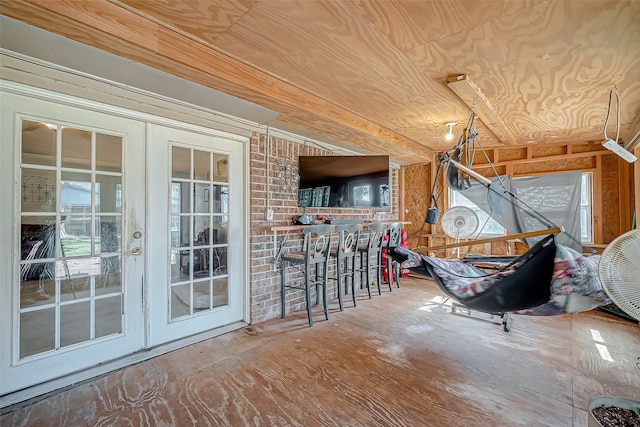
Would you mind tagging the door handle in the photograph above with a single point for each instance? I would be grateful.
(136, 251)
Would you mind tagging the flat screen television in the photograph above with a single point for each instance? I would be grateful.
(344, 181)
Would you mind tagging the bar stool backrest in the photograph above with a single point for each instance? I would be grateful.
(395, 230)
(376, 232)
(348, 236)
(317, 242)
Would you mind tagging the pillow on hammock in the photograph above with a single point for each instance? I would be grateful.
(575, 285)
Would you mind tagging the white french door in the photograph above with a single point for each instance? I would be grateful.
(73, 217)
(196, 233)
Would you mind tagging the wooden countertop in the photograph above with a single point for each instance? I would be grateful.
(300, 227)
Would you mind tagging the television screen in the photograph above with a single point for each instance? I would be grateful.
(344, 181)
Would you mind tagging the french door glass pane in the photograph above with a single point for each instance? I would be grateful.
(109, 281)
(37, 331)
(108, 153)
(220, 225)
(108, 234)
(76, 148)
(202, 295)
(75, 323)
(180, 162)
(37, 284)
(108, 316)
(220, 292)
(38, 143)
(108, 193)
(201, 165)
(219, 264)
(220, 199)
(180, 266)
(202, 198)
(180, 300)
(221, 167)
(37, 190)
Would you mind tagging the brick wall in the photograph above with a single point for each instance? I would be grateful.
(264, 274)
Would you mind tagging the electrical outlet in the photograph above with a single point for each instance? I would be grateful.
(269, 214)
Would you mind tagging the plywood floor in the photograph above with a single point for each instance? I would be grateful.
(400, 359)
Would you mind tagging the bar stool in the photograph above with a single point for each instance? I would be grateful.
(315, 252)
(372, 248)
(345, 255)
(394, 237)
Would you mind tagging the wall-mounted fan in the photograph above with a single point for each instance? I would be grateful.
(459, 222)
(619, 272)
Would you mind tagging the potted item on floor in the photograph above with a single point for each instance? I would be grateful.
(614, 412)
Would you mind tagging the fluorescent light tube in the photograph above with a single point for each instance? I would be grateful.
(610, 144)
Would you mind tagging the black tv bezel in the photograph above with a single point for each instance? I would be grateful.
(344, 171)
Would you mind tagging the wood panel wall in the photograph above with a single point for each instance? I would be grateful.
(614, 186)
(415, 190)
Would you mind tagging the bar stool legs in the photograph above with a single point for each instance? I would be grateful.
(345, 255)
(315, 254)
(393, 267)
(373, 248)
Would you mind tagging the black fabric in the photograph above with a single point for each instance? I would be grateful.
(454, 180)
(527, 287)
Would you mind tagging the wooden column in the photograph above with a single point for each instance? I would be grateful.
(596, 202)
(625, 197)
(636, 183)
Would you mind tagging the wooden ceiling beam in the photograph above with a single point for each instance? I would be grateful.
(471, 95)
(147, 41)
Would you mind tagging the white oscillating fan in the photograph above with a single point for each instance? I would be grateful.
(619, 272)
(459, 222)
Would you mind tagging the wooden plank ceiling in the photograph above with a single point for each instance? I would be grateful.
(373, 74)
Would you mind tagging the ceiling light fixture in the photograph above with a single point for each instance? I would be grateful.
(449, 136)
(609, 143)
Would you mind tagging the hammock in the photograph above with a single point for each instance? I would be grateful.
(548, 279)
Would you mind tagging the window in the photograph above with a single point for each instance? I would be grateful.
(586, 216)
(487, 227)
(361, 195)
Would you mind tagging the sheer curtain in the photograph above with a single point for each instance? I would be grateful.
(540, 202)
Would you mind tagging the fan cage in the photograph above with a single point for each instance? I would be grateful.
(619, 271)
(459, 222)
